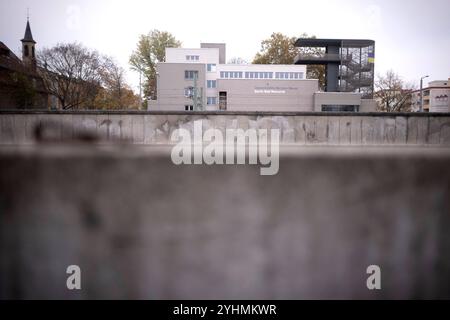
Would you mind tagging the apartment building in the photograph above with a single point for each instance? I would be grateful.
(198, 79)
(435, 97)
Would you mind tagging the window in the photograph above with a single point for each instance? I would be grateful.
(232, 74)
(192, 58)
(287, 75)
(211, 68)
(340, 108)
(189, 108)
(190, 74)
(211, 84)
(211, 101)
(27, 52)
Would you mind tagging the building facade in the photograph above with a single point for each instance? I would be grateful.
(435, 97)
(198, 79)
(21, 85)
(350, 63)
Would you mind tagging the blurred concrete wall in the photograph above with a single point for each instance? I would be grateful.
(141, 227)
(296, 128)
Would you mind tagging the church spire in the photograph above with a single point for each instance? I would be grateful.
(28, 48)
(28, 35)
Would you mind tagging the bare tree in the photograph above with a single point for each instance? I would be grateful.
(115, 92)
(72, 73)
(392, 93)
(113, 77)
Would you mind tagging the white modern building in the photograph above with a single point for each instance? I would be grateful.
(199, 79)
(435, 97)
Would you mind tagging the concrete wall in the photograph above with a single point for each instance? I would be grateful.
(296, 128)
(141, 227)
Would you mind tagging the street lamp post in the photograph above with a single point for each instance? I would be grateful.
(140, 88)
(421, 93)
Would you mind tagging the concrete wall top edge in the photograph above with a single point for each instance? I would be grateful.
(231, 113)
(128, 151)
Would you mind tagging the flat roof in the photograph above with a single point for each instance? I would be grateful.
(313, 42)
(191, 49)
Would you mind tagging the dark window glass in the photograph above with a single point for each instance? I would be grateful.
(340, 108)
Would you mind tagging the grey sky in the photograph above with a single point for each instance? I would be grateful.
(412, 37)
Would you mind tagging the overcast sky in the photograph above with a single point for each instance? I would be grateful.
(412, 37)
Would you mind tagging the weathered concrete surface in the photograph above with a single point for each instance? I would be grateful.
(145, 128)
(141, 227)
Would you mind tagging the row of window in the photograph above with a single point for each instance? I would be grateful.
(339, 108)
(192, 58)
(261, 75)
(289, 75)
(231, 75)
(190, 75)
